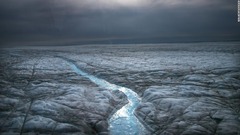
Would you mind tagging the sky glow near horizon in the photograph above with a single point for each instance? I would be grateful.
(144, 3)
(117, 21)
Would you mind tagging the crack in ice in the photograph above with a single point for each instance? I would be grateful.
(123, 122)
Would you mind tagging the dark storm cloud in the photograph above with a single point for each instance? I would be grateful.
(74, 21)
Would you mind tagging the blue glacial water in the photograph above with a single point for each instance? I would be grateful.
(123, 122)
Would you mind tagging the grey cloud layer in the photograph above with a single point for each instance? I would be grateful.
(74, 20)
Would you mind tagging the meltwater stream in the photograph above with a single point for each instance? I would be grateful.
(123, 122)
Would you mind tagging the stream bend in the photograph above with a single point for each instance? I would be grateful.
(122, 122)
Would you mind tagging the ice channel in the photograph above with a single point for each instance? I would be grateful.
(123, 122)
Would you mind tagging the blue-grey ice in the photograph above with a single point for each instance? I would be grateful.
(123, 122)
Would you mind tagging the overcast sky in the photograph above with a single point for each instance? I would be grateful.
(50, 22)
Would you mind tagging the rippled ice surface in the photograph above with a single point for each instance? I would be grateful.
(123, 122)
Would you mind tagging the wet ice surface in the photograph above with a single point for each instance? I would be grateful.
(185, 88)
(124, 121)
